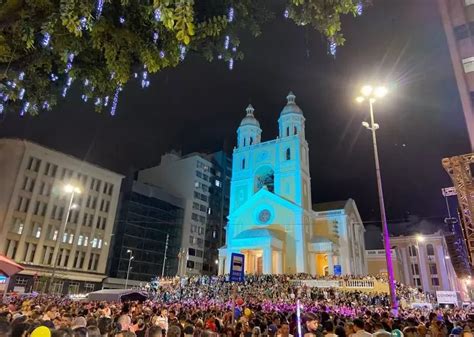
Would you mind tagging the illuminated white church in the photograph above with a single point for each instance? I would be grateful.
(272, 220)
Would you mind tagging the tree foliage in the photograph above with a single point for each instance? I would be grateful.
(46, 45)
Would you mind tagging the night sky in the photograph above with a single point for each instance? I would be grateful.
(198, 106)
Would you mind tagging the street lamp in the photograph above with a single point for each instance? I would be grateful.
(128, 269)
(371, 94)
(72, 190)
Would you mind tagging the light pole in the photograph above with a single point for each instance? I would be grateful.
(128, 269)
(371, 94)
(72, 190)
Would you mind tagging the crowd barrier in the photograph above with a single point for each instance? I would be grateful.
(362, 285)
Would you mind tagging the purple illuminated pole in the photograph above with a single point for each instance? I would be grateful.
(386, 238)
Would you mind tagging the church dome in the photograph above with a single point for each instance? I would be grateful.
(249, 119)
(291, 107)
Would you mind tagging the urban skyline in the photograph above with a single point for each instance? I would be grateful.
(181, 111)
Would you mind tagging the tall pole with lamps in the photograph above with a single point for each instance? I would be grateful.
(72, 191)
(128, 268)
(371, 94)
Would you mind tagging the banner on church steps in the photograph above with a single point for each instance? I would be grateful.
(237, 267)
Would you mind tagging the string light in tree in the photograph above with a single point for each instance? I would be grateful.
(155, 36)
(97, 101)
(64, 92)
(21, 76)
(234, 49)
(332, 48)
(86, 82)
(157, 14)
(98, 8)
(230, 14)
(83, 23)
(106, 100)
(226, 42)
(182, 52)
(162, 54)
(1, 108)
(21, 94)
(219, 57)
(122, 20)
(53, 77)
(46, 39)
(286, 13)
(145, 81)
(85, 98)
(115, 101)
(360, 8)
(45, 105)
(24, 108)
(231, 63)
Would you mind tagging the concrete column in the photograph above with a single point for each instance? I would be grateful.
(312, 263)
(330, 263)
(220, 269)
(406, 266)
(279, 262)
(425, 282)
(267, 260)
(441, 266)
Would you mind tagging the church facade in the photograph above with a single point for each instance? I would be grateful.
(272, 220)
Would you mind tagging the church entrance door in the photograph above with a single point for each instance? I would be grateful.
(253, 261)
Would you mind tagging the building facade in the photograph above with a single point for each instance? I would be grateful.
(33, 207)
(425, 261)
(272, 220)
(198, 179)
(458, 22)
(147, 217)
(377, 263)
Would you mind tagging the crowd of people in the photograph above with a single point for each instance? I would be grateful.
(264, 305)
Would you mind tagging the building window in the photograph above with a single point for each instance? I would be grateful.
(295, 131)
(23, 204)
(461, 32)
(415, 269)
(417, 282)
(288, 131)
(243, 164)
(190, 264)
(429, 249)
(288, 154)
(191, 252)
(80, 240)
(412, 250)
(251, 141)
(245, 143)
(218, 183)
(435, 281)
(34, 164)
(468, 64)
(17, 225)
(433, 269)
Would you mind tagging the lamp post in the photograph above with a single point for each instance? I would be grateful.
(371, 94)
(128, 269)
(72, 190)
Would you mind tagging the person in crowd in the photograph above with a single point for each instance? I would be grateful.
(359, 327)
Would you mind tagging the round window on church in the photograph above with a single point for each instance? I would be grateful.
(264, 216)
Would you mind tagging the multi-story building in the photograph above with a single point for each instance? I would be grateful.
(458, 22)
(422, 261)
(33, 210)
(196, 179)
(147, 217)
(218, 210)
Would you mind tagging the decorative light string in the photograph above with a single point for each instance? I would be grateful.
(24, 108)
(98, 8)
(360, 8)
(230, 14)
(115, 101)
(226, 42)
(286, 13)
(182, 52)
(332, 48)
(231, 64)
(157, 14)
(46, 39)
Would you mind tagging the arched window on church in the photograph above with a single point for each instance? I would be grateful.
(288, 131)
(288, 154)
(251, 140)
(245, 143)
(296, 130)
(243, 164)
(412, 250)
(264, 176)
